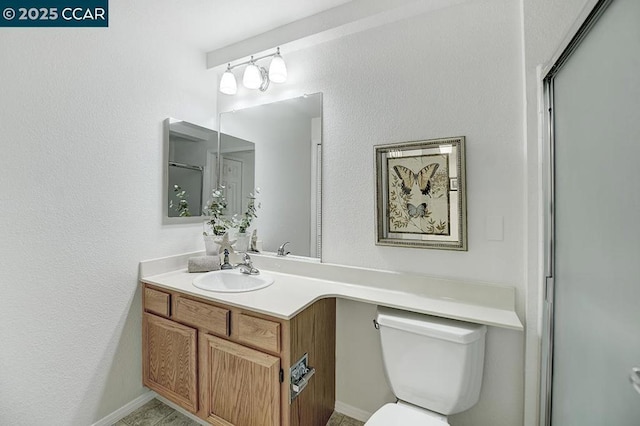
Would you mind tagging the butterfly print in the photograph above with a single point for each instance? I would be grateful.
(417, 211)
(423, 178)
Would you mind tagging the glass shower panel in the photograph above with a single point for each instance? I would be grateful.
(597, 217)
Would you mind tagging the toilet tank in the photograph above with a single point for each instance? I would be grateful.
(435, 363)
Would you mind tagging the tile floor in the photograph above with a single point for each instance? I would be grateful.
(156, 413)
(338, 419)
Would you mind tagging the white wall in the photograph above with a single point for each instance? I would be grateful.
(81, 114)
(454, 72)
(545, 25)
(81, 131)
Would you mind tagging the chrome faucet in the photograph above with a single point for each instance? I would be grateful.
(281, 249)
(246, 267)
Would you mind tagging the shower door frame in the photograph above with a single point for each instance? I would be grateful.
(590, 14)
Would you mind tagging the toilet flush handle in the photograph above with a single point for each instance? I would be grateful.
(376, 325)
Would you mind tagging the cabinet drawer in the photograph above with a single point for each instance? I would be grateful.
(202, 315)
(259, 332)
(157, 301)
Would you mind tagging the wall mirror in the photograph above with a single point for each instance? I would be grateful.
(191, 154)
(277, 148)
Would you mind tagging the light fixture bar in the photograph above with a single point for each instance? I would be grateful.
(255, 76)
(254, 59)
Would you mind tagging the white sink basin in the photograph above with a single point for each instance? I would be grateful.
(232, 281)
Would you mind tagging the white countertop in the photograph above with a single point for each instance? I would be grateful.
(299, 283)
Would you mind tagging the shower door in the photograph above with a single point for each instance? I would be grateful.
(594, 97)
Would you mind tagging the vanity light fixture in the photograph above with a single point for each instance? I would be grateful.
(228, 84)
(255, 76)
(252, 77)
(277, 68)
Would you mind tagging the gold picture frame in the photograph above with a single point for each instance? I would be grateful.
(421, 194)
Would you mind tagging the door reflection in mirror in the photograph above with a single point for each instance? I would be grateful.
(237, 162)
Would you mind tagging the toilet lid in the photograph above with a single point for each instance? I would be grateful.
(403, 415)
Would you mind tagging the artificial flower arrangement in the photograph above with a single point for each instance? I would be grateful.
(251, 213)
(218, 223)
(183, 205)
(214, 209)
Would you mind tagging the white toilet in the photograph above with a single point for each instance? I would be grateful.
(434, 366)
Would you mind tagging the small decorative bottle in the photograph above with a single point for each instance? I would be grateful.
(225, 262)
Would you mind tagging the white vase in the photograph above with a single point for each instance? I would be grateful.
(242, 242)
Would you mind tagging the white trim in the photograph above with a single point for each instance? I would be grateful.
(573, 30)
(181, 410)
(126, 409)
(348, 18)
(353, 412)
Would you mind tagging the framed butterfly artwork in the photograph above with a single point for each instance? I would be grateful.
(420, 194)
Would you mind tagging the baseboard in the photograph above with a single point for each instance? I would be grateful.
(182, 410)
(126, 409)
(353, 412)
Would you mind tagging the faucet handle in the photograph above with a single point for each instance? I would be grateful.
(225, 261)
(281, 250)
(246, 258)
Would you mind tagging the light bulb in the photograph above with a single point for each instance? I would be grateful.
(252, 79)
(278, 69)
(228, 84)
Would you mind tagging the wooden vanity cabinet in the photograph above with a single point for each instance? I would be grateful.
(242, 384)
(169, 365)
(230, 366)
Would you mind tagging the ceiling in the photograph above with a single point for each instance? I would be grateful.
(211, 24)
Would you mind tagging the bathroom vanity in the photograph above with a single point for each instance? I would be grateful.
(230, 358)
(232, 366)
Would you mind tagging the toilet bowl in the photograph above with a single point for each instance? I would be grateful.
(434, 367)
(403, 414)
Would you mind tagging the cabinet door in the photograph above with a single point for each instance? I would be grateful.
(169, 360)
(240, 386)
